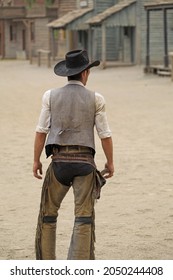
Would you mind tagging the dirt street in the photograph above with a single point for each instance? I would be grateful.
(134, 217)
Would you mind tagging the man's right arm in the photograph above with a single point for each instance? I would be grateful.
(107, 146)
(104, 133)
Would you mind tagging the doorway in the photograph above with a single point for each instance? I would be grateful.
(129, 44)
(23, 39)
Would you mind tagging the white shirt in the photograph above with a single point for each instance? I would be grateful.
(101, 122)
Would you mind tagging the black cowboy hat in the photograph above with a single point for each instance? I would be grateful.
(75, 62)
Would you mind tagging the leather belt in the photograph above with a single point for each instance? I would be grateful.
(74, 157)
(72, 149)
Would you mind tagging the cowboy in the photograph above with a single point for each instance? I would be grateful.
(68, 116)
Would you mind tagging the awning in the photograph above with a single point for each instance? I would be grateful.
(159, 5)
(68, 18)
(110, 12)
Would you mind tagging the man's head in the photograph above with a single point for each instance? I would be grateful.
(82, 76)
(75, 62)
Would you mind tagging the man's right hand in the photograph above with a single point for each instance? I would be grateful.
(37, 170)
(108, 172)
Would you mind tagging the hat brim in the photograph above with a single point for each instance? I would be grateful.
(60, 68)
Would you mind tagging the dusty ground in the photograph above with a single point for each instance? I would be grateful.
(134, 217)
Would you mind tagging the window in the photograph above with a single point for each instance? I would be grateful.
(126, 31)
(32, 31)
(13, 32)
(83, 3)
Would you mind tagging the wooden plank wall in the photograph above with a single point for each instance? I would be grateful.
(101, 5)
(111, 33)
(66, 6)
(156, 35)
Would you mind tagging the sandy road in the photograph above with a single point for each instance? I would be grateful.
(134, 217)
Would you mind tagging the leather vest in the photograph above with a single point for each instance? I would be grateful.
(72, 117)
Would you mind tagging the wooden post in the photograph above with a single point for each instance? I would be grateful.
(52, 44)
(103, 45)
(29, 42)
(39, 58)
(148, 40)
(166, 60)
(28, 26)
(139, 7)
(49, 59)
(90, 43)
(67, 40)
(171, 58)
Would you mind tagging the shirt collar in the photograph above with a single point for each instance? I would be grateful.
(74, 82)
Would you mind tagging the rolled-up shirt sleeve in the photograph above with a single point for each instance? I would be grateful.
(43, 125)
(101, 121)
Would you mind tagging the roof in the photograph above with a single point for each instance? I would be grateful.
(159, 4)
(68, 18)
(110, 11)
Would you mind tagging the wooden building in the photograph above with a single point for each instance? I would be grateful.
(129, 19)
(71, 29)
(107, 29)
(159, 36)
(23, 29)
(116, 30)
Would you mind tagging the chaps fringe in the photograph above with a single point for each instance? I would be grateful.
(93, 239)
(40, 217)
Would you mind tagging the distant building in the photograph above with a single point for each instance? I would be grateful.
(23, 29)
(159, 36)
(116, 30)
(71, 29)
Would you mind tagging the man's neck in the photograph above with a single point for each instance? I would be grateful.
(75, 82)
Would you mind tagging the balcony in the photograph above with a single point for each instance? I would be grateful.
(42, 11)
(12, 12)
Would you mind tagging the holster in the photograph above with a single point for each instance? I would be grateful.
(100, 182)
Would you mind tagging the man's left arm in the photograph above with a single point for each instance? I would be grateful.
(42, 130)
(40, 139)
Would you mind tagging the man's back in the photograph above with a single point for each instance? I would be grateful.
(72, 116)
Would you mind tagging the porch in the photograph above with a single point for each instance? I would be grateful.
(166, 68)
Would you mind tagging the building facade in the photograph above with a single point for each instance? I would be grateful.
(158, 38)
(112, 30)
(23, 28)
(116, 30)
